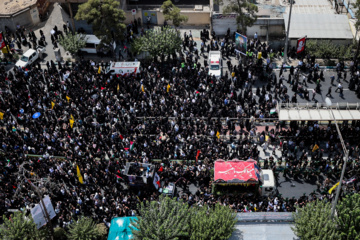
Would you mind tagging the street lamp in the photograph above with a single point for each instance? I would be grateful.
(329, 103)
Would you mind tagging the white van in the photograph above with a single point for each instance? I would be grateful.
(268, 187)
(92, 42)
(123, 68)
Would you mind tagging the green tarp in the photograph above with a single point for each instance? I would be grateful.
(120, 228)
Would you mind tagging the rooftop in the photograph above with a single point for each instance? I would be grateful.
(9, 7)
(328, 26)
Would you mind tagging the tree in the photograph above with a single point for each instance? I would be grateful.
(348, 217)
(356, 5)
(246, 12)
(106, 19)
(167, 219)
(20, 227)
(83, 229)
(172, 13)
(313, 222)
(158, 42)
(214, 223)
(73, 42)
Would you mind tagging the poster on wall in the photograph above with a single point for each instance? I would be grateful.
(241, 43)
(300, 45)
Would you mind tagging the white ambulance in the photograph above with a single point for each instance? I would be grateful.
(215, 64)
(123, 68)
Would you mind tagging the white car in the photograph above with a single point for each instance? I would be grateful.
(28, 58)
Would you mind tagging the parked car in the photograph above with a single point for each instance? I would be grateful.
(29, 57)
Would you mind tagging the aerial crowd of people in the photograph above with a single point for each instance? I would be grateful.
(65, 116)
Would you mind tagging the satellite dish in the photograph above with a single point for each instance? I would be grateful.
(328, 101)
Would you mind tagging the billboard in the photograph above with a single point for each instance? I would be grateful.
(240, 43)
(38, 213)
(300, 45)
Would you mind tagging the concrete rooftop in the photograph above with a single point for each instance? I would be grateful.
(9, 7)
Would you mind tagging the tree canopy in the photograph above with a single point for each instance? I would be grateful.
(169, 219)
(246, 12)
(313, 221)
(83, 229)
(172, 13)
(212, 224)
(20, 227)
(106, 19)
(73, 42)
(157, 42)
(348, 212)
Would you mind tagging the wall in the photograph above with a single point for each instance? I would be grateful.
(8, 21)
(34, 13)
(130, 17)
(196, 18)
(221, 22)
(23, 19)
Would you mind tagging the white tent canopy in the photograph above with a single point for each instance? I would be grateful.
(318, 112)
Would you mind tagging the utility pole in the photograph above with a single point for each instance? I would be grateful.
(343, 168)
(338, 189)
(287, 33)
(45, 212)
(22, 173)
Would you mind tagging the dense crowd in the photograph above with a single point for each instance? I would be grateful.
(171, 110)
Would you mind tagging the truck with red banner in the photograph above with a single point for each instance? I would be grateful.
(238, 177)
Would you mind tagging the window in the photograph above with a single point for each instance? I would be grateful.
(24, 59)
(89, 45)
(214, 67)
(266, 177)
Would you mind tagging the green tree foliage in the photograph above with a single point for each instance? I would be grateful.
(102, 230)
(212, 224)
(157, 42)
(326, 49)
(356, 5)
(83, 229)
(246, 12)
(21, 228)
(348, 212)
(172, 13)
(312, 222)
(73, 42)
(106, 19)
(167, 219)
(60, 234)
